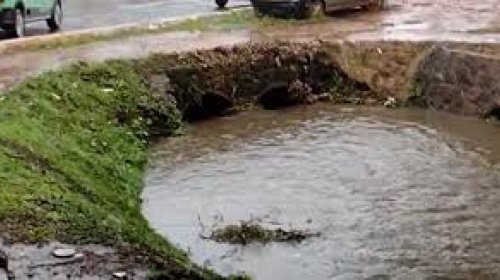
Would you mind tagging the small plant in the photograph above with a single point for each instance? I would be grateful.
(417, 96)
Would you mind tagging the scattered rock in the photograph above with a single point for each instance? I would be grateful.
(64, 253)
(458, 81)
(120, 275)
(79, 256)
(390, 102)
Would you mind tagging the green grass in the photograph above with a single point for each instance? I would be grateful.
(72, 155)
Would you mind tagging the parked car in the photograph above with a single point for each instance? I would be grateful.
(310, 8)
(221, 3)
(15, 14)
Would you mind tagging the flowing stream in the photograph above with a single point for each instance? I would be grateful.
(395, 194)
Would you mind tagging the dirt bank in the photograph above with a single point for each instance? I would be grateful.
(387, 66)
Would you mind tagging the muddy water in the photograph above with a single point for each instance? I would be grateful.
(396, 194)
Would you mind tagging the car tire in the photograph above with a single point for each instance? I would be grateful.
(311, 9)
(17, 29)
(56, 19)
(221, 3)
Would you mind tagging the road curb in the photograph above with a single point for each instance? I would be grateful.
(22, 44)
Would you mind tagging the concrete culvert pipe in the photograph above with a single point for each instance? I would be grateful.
(212, 104)
(275, 95)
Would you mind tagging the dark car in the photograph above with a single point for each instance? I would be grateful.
(15, 14)
(310, 8)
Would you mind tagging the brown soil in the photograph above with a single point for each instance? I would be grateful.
(210, 82)
(89, 262)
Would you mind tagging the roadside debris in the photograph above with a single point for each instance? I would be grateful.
(250, 232)
(64, 253)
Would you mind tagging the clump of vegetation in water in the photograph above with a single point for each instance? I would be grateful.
(250, 232)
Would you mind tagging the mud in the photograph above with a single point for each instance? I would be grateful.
(89, 262)
(17, 67)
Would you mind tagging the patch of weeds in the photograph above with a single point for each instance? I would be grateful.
(344, 90)
(417, 96)
(250, 232)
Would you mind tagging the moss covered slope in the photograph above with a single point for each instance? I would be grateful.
(72, 154)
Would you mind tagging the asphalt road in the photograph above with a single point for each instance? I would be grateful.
(83, 14)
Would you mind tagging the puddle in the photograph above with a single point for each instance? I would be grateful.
(398, 194)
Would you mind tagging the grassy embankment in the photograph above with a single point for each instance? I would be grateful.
(72, 154)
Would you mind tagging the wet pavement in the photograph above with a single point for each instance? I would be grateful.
(436, 20)
(16, 67)
(395, 194)
(84, 14)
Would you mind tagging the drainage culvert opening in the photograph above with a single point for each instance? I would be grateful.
(275, 96)
(209, 105)
(278, 95)
(494, 114)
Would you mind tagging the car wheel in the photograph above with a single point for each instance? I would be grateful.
(221, 3)
(56, 19)
(311, 9)
(17, 29)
